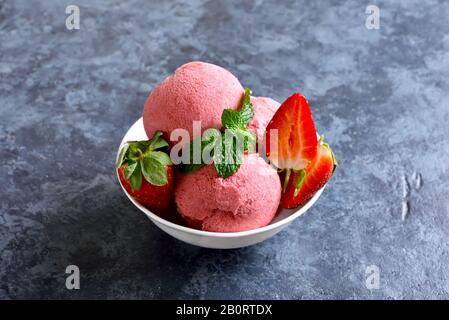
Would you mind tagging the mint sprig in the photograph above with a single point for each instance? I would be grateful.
(207, 141)
(145, 158)
(246, 110)
(227, 158)
(239, 119)
(227, 151)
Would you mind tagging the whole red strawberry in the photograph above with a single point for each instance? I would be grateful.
(146, 172)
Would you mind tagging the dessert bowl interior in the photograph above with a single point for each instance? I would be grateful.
(216, 240)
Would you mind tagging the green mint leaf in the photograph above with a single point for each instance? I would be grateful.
(207, 141)
(223, 167)
(246, 109)
(160, 157)
(121, 155)
(135, 180)
(157, 141)
(211, 138)
(232, 119)
(228, 155)
(129, 170)
(191, 167)
(239, 119)
(249, 139)
(245, 136)
(237, 137)
(153, 171)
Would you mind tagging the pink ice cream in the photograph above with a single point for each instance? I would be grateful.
(264, 110)
(196, 91)
(247, 200)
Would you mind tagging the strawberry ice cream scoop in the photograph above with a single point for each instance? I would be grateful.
(264, 109)
(197, 91)
(247, 200)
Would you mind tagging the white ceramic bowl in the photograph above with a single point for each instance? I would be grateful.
(216, 240)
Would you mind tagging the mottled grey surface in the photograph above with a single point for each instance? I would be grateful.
(381, 97)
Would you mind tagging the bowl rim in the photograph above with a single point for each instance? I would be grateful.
(294, 213)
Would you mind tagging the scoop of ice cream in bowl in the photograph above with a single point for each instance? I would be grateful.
(258, 166)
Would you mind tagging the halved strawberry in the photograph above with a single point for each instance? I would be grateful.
(146, 172)
(300, 186)
(292, 146)
(290, 137)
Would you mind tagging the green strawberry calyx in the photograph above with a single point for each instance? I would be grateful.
(146, 159)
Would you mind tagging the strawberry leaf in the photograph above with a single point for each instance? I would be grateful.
(121, 155)
(134, 151)
(135, 180)
(141, 158)
(157, 141)
(153, 171)
(160, 157)
(129, 170)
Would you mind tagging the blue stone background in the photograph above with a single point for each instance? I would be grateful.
(381, 97)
